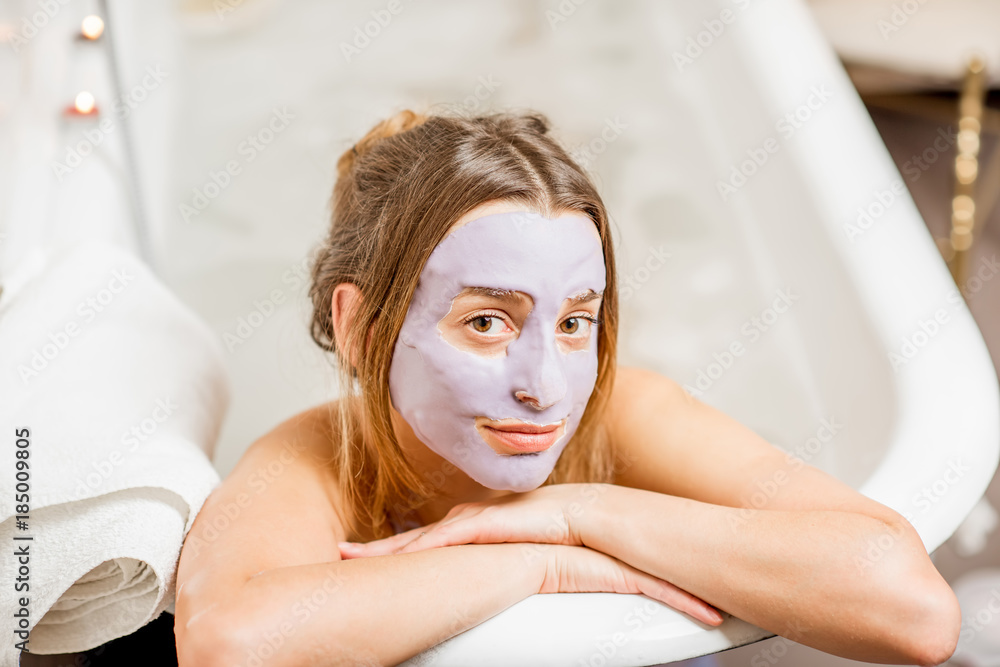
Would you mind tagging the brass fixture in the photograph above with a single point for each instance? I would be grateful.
(963, 204)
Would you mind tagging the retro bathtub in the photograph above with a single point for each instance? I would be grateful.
(754, 203)
(790, 232)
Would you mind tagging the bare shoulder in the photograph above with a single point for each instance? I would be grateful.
(638, 396)
(278, 507)
(640, 391)
(637, 386)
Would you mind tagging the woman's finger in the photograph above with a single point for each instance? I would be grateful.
(680, 600)
(442, 535)
(415, 544)
(382, 547)
(373, 548)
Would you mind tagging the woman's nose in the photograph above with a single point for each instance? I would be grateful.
(541, 376)
(537, 364)
(524, 397)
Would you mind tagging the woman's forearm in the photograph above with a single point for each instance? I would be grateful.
(373, 611)
(811, 576)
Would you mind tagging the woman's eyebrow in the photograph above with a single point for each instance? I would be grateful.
(513, 296)
(584, 297)
(506, 295)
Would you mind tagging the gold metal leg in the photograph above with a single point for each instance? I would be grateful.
(963, 204)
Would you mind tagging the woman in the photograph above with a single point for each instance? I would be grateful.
(485, 448)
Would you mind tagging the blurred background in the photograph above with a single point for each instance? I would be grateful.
(209, 131)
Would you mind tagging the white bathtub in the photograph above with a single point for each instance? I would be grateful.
(919, 434)
(670, 135)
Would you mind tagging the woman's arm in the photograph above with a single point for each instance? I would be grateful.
(704, 503)
(260, 575)
(805, 575)
(370, 611)
(260, 579)
(725, 515)
(385, 609)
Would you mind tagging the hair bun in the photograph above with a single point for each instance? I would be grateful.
(400, 122)
(537, 122)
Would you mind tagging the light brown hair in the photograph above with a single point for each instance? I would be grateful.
(398, 192)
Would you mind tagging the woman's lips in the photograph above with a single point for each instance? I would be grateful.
(511, 437)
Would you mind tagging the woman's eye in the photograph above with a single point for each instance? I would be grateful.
(487, 324)
(573, 325)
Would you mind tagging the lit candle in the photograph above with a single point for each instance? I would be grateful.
(83, 105)
(92, 27)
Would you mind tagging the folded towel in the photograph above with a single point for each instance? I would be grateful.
(119, 391)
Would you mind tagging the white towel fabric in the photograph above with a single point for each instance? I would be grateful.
(123, 390)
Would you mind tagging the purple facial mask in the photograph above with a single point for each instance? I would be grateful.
(441, 389)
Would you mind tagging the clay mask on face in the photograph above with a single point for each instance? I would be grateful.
(520, 350)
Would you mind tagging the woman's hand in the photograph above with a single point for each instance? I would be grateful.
(549, 514)
(553, 517)
(584, 570)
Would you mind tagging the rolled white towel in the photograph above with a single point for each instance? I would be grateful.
(120, 391)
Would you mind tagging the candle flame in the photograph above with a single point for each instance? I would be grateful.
(84, 102)
(92, 27)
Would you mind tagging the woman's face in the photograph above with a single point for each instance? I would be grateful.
(497, 356)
